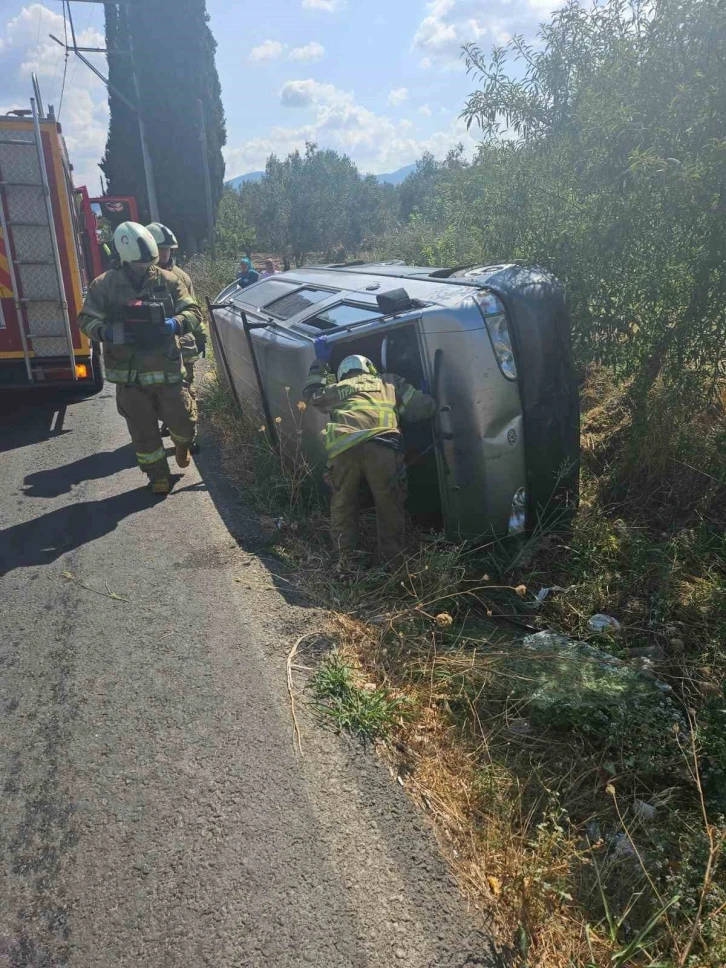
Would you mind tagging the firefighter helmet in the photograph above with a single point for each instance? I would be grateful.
(164, 236)
(353, 363)
(134, 243)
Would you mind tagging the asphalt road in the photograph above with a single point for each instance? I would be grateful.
(154, 810)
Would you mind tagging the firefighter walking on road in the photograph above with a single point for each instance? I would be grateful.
(139, 312)
(192, 344)
(363, 442)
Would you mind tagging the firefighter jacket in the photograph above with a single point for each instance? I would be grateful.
(105, 302)
(189, 342)
(363, 406)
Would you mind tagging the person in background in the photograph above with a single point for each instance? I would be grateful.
(247, 275)
(269, 270)
(192, 344)
(363, 442)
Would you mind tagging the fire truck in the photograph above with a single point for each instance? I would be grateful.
(51, 246)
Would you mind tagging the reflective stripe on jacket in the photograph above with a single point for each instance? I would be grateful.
(105, 301)
(363, 406)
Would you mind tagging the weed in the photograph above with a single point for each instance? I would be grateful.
(511, 744)
(622, 954)
(367, 712)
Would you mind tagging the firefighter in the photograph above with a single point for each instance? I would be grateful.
(363, 441)
(139, 311)
(192, 344)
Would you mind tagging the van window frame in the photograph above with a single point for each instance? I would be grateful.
(368, 307)
(268, 307)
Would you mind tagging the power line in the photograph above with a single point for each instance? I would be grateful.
(65, 65)
(40, 25)
(88, 25)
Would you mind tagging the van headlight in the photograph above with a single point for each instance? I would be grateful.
(518, 512)
(502, 345)
(495, 318)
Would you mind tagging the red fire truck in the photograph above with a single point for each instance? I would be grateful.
(51, 247)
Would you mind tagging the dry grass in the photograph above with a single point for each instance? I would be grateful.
(544, 826)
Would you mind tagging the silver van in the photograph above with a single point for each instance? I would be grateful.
(491, 343)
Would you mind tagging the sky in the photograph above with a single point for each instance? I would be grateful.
(380, 80)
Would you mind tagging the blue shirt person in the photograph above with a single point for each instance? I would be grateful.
(247, 274)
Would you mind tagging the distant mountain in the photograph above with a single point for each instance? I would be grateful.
(241, 179)
(390, 178)
(396, 177)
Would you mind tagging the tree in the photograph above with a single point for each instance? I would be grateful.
(314, 202)
(234, 234)
(174, 60)
(604, 159)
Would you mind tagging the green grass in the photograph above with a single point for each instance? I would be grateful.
(521, 794)
(343, 702)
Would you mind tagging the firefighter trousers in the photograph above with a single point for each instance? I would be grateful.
(189, 384)
(143, 407)
(384, 470)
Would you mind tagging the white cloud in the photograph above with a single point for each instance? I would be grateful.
(397, 96)
(26, 48)
(273, 49)
(425, 110)
(326, 6)
(268, 50)
(375, 142)
(301, 94)
(449, 24)
(310, 52)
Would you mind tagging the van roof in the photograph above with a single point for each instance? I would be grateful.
(361, 282)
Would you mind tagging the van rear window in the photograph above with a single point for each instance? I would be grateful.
(296, 302)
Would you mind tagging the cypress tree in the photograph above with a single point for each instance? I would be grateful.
(174, 61)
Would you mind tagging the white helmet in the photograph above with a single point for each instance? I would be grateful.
(164, 236)
(134, 243)
(351, 363)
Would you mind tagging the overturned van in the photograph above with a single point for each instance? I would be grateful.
(491, 343)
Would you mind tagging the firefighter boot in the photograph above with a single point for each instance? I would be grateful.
(162, 485)
(182, 455)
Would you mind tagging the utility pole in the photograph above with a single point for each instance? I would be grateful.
(207, 179)
(136, 108)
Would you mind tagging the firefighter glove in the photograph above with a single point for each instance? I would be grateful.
(171, 327)
(323, 351)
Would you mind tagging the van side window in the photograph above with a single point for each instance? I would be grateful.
(264, 292)
(342, 315)
(294, 303)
